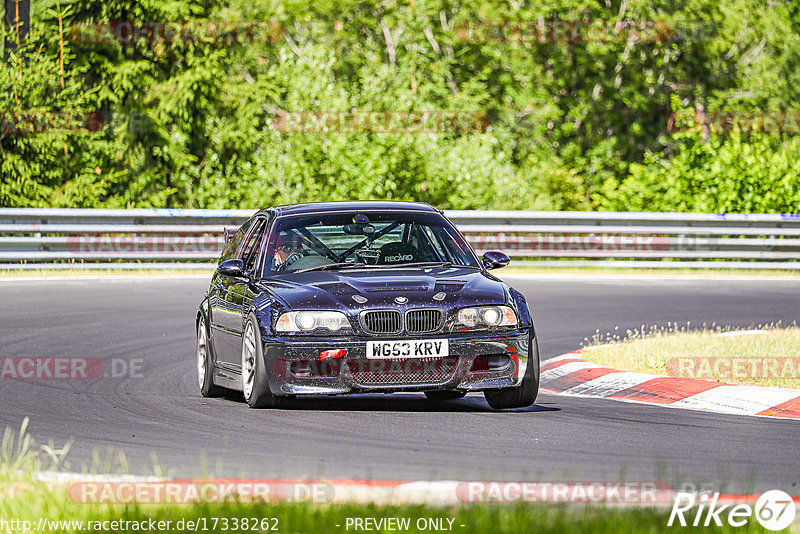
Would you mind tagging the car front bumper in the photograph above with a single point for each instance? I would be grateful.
(476, 362)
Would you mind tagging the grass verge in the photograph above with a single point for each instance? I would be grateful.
(307, 518)
(767, 358)
(29, 505)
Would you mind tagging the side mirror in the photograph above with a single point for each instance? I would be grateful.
(234, 268)
(495, 260)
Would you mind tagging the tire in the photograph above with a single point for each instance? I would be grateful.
(205, 365)
(520, 396)
(444, 394)
(255, 385)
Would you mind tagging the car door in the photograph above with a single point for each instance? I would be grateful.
(219, 308)
(238, 297)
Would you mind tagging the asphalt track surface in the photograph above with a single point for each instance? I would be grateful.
(157, 415)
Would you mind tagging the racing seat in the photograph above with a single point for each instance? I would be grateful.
(396, 253)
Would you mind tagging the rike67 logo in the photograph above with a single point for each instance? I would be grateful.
(774, 510)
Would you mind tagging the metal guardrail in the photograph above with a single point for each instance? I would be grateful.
(188, 239)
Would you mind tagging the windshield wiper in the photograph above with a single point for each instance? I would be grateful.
(426, 264)
(331, 266)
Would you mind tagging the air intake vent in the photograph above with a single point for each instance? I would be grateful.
(422, 321)
(394, 288)
(383, 321)
(338, 288)
(402, 372)
(448, 287)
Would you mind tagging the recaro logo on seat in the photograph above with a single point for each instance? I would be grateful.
(399, 257)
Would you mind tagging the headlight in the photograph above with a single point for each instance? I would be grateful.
(486, 317)
(308, 321)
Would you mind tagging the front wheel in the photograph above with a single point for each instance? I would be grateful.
(520, 396)
(254, 374)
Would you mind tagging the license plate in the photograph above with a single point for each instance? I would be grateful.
(429, 348)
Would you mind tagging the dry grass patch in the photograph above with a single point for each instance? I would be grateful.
(768, 355)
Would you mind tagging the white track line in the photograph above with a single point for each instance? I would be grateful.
(746, 400)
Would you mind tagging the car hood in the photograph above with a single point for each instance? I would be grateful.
(453, 287)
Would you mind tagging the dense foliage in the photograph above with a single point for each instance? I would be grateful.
(573, 122)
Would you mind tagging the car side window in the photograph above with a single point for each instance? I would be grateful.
(458, 250)
(229, 250)
(433, 242)
(425, 244)
(251, 247)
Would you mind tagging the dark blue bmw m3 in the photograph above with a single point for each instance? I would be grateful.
(356, 297)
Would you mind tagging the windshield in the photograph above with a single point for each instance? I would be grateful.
(342, 240)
